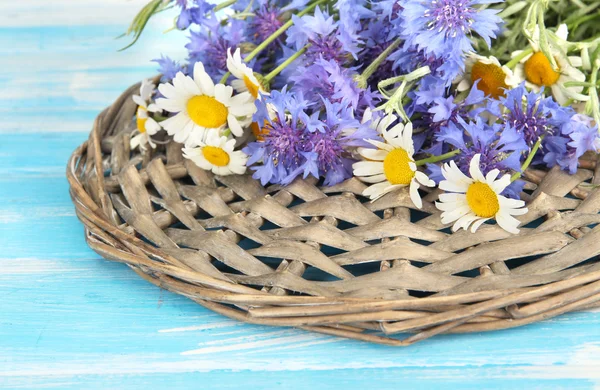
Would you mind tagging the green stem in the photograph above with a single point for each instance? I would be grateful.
(512, 63)
(593, 91)
(224, 4)
(372, 68)
(391, 81)
(434, 159)
(140, 21)
(285, 64)
(527, 162)
(275, 35)
(281, 30)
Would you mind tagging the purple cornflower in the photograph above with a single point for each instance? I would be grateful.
(531, 114)
(567, 135)
(326, 146)
(298, 142)
(283, 139)
(326, 79)
(209, 45)
(266, 21)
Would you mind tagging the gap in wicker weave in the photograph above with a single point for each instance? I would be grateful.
(591, 261)
(316, 275)
(331, 251)
(268, 225)
(515, 263)
(419, 294)
(225, 269)
(416, 215)
(471, 273)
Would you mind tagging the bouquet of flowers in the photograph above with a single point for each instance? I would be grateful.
(405, 95)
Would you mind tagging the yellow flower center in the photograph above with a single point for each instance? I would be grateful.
(206, 111)
(482, 200)
(539, 71)
(252, 88)
(259, 132)
(142, 117)
(215, 156)
(396, 168)
(491, 79)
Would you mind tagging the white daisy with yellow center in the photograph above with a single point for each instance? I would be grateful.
(493, 77)
(145, 125)
(537, 71)
(476, 199)
(246, 80)
(203, 107)
(217, 154)
(391, 164)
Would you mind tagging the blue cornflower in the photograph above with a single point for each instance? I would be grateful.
(576, 137)
(440, 111)
(584, 136)
(500, 147)
(321, 32)
(351, 13)
(408, 59)
(444, 26)
(377, 36)
(192, 12)
(328, 80)
(168, 68)
(443, 29)
(531, 114)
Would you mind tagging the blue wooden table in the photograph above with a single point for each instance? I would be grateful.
(69, 319)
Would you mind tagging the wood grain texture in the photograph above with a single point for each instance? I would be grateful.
(72, 320)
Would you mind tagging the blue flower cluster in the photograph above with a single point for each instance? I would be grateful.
(313, 116)
(295, 143)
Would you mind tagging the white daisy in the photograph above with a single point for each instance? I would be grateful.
(391, 165)
(217, 155)
(493, 77)
(472, 201)
(538, 72)
(246, 80)
(146, 126)
(203, 107)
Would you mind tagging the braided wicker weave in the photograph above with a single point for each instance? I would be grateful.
(325, 259)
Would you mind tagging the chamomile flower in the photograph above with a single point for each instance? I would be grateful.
(391, 164)
(493, 78)
(202, 107)
(246, 80)
(217, 154)
(538, 72)
(146, 126)
(473, 200)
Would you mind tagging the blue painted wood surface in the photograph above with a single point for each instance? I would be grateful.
(69, 319)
